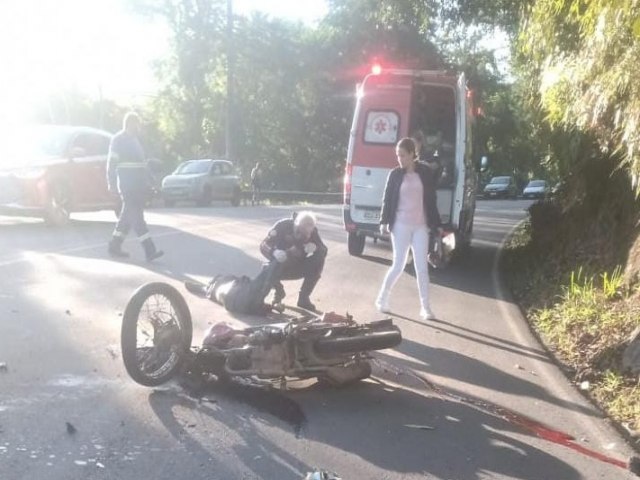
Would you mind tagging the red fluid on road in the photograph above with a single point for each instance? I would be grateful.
(539, 429)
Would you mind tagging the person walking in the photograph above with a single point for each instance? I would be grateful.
(409, 210)
(256, 184)
(128, 175)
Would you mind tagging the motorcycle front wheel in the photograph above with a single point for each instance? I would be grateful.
(156, 333)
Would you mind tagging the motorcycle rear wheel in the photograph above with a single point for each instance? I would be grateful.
(158, 312)
(364, 339)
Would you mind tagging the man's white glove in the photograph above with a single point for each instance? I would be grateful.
(280, 256)
(310, 248)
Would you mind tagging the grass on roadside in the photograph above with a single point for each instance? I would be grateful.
(584, 318)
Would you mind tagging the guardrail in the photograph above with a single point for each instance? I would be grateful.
(290, 196)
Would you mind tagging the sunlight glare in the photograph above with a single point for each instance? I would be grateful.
(51, 47)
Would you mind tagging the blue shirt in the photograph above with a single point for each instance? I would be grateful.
(126, 167)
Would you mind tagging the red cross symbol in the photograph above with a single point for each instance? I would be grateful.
(380, 126)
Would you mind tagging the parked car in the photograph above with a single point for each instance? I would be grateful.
(202, 181)
(536, 189)
(501, 187)
(50, 171)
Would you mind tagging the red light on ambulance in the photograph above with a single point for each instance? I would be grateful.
(376, 69)
(347, 184)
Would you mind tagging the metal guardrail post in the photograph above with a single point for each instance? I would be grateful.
(293, 196)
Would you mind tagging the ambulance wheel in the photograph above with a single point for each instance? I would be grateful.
(356, 244)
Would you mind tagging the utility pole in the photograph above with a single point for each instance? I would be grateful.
(230, 62)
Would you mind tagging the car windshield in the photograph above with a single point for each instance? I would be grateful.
(193, 166)
(499, 180)
(30, 145)
(536, 183)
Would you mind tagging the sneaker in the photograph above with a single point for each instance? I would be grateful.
(427, 314)
(196, 288)
(157, 254)
(383, 306)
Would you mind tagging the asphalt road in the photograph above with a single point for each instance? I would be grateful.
(61, 300)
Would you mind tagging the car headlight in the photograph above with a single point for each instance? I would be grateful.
(29, 173)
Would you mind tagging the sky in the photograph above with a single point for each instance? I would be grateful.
(95, 46)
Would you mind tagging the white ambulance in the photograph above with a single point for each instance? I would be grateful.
(395, 103)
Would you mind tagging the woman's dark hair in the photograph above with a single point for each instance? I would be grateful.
(418, 136)
(408, 145)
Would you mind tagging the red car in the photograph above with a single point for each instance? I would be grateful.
(50, 171)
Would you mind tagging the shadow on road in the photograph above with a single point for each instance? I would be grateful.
(455, 441)
(485, 339)
(454, 365)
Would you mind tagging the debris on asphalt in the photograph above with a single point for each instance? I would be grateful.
(71, 429)
(3, 367)
(519, 367)
(321, 475)
(113, 351)
(420, 427)
(15, 310)
(99, 465)
(631, 430)
(67, 311)
(585, 385)
(81, 463)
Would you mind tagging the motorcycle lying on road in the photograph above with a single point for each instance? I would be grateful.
(157, 333)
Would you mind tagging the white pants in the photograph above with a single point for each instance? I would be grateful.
(403, 237)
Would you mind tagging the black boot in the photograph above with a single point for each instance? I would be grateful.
(150, 251)
(305, 302)
(307, 287)
(115, 248)
(279, 293)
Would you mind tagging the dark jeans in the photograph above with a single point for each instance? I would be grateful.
(310, 268)
(132, 216)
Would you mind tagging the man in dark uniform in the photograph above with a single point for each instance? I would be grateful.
(296, 245)
(127, 174)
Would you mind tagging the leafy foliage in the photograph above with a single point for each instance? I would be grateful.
(581, 59)
(294, 85)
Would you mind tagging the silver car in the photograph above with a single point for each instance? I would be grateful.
(202, 181)
(536, 189)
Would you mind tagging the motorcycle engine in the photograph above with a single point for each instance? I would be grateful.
(271, 361)
(269, 355)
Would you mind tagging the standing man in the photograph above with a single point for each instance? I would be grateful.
(296, 245)
(256, 181)
(127, 175)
